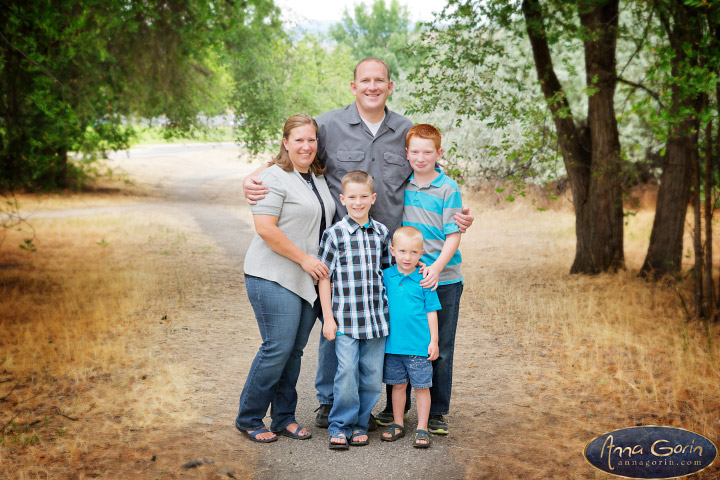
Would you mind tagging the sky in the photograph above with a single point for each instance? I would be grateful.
(332, 10)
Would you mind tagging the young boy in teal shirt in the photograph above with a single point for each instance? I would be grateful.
(413, 341)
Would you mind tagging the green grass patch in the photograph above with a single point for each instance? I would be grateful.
(153, 134)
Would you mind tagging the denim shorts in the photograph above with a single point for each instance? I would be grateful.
(401, 369)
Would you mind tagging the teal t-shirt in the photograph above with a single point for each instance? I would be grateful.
(409, 304)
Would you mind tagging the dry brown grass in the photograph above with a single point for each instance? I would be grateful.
(77, 383)
(602, 352)
(82, 395)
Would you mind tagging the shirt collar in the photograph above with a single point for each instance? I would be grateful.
(416, 275)
(353, 226)
(354, 117)
(435, 183)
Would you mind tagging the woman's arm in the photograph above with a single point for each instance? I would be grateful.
(266, 227)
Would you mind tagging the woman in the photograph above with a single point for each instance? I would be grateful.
(281, 273)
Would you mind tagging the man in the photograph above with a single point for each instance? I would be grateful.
(367, 136)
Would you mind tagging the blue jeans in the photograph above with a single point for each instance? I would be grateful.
(358, 383)
(441, 389)
(327, 366)
(285, 321)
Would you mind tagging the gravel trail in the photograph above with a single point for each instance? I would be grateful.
(216, 337)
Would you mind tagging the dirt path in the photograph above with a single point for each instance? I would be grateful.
(214, 335)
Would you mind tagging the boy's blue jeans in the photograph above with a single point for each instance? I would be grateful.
(285, 321)
(358, 383)
(441, 389)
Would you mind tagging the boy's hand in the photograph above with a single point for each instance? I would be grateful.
(253, 189)
(329, 329)
(464, 220)
(431, 276)
(433, 351)
(315, 267)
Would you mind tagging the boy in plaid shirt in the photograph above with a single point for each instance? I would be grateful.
(355, 309)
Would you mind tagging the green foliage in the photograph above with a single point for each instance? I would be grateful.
(145, 134)
(289, 77)
(381, 31)
(671, 74)
(72, 71)
(476, 83)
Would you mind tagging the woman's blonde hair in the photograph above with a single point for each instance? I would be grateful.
(282, 159)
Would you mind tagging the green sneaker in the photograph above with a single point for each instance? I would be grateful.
(384, 418)
(437, 425)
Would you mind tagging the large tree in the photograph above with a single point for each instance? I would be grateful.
(687, 32)
(592, 158)
(473, 32)
(72, 70)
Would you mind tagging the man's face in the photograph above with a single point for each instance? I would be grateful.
(371, 86)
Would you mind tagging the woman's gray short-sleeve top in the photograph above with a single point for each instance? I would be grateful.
(298, 211)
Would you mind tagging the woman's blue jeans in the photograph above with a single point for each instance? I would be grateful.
(285, 321)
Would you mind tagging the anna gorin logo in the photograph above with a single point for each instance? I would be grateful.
(651, 452)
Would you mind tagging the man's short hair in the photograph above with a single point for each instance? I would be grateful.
(426, 131)
(372, 59)
(358, 176)
(408, 232)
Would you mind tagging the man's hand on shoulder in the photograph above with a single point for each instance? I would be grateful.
(253, 189)
(464, 219)
(431, 276)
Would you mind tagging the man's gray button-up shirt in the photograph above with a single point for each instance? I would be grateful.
(345, 143)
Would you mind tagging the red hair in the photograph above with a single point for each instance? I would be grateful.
(426, 131)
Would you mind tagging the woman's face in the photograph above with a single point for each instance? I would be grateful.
(301, 145)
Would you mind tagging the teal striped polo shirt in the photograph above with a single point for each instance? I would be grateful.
(430, 208)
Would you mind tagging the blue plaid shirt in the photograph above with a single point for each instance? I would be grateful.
(356, 256)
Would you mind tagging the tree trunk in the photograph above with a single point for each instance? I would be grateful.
(664, 254)
(708, 288)
(697, 234)
(590, 155)
(605, 219)
(716, 161)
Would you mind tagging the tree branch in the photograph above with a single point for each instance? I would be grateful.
(652, 93)
(640, 44)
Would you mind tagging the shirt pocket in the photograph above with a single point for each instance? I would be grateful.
(348, 160)
(396, 169)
